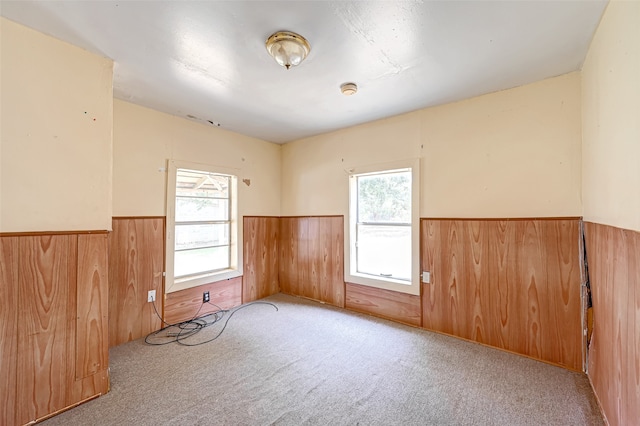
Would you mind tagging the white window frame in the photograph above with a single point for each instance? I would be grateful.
(235, 270)
(350, 267)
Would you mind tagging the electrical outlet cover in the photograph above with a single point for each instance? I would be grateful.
(151, 296)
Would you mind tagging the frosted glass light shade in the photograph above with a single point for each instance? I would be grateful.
(287, 48)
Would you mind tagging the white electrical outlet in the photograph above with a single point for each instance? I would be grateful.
(151, 297)
(426, 277)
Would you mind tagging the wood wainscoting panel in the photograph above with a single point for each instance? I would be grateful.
(47, 286)
(136, 265)
(311, 258)
(187, 304)
(445, 307)
(288, 258)
(54, 293)
(92, 324)
(332, 278)
(512, 284)
(317, 250)
(261, 258)
(480, 296)
(506, 290)
(303, 267)
(561, 337)
(614, 352)
(8, 328)
(393, 305)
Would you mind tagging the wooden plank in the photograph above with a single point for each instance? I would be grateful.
(288, 254)
(187, 304)
(47, 266)
(510, 298)
(151, 267)
(531, 259)
(136, 264)
(301, 285)
(261, 257)
(401, 307)
(317, 252)
(614, 352)
(453, 281)
(562, 339)
(271, 247)
(123, 309)
(48, 233)
(252, 231)
(514, 284)
(479, 292)
(250, 228)
(8, 328)
(632, 410)
(504, 219)
(429, 242)
(92, 325)
(333, 265)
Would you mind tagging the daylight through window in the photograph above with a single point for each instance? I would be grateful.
(202, 223)
(383, 224)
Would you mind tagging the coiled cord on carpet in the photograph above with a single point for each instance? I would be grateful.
(179, 332)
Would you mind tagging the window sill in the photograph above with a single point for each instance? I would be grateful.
(188, 282)
(386, 283)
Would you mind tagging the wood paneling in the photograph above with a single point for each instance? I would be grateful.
(512, 284)
(288, 245)
(47, 278)
(311, 258)
(92, 325)
(186, 304)
(136, 264)
(401, 307)
(333, 263)
(614, 354)
(54, 294)
(8, 328)
(49, 233)
(261, 257)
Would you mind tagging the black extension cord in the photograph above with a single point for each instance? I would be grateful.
(179, 332)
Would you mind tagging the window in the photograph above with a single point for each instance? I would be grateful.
(384, 227)
(202, 223)
(202, 237)
(383, 224)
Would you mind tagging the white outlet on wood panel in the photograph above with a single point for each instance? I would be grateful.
(151, 297)
(426, 277)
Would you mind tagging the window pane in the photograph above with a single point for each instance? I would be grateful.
(198, 236)
(202, 184)
(195, 261)
(384, 251)
(385, 198)
(201, 209)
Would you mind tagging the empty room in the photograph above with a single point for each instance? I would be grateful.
(320, 213)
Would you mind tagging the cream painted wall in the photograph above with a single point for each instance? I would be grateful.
(515, 153)
(611, 119)
(145, 139)
(56, 132)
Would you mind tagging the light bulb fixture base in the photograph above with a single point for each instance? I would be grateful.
(288, 48)
(348, 89)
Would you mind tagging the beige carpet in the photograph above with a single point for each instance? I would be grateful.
(310, 364)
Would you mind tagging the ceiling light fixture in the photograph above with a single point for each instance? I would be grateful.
(287, 48)
(349, 89)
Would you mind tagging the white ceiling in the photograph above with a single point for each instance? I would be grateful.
(207, 59)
